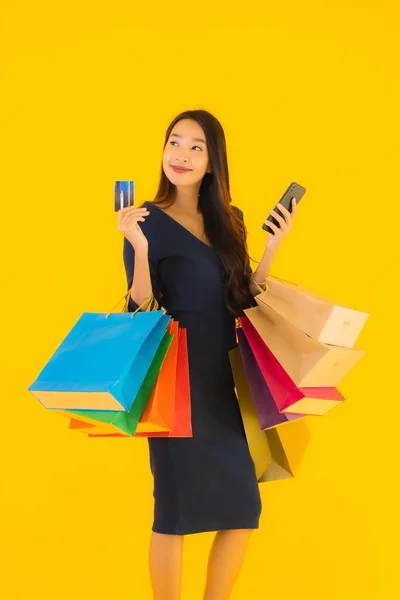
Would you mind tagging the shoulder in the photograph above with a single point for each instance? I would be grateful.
(154, 220)
(149, 205)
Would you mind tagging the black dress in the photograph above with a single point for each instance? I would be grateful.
(208, 482)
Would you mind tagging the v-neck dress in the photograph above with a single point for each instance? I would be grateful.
(208, 482)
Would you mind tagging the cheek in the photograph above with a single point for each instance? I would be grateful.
(166, 156)
(200, 162)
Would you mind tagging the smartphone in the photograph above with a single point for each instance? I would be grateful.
(294, 190)
(123, 194)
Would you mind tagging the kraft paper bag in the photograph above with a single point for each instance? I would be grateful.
(276, 453)
(265, 405)
(307, 362)
(288, 398)
(322, 319)
(102, 362)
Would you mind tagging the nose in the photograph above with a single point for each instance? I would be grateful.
(180, 156)
(182, 159)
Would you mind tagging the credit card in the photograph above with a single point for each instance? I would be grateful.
(123, 194)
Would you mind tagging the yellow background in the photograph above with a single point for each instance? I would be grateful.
(306, 91)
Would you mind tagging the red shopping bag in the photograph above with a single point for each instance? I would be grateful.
(288, 397)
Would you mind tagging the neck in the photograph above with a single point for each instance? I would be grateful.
(187, 199)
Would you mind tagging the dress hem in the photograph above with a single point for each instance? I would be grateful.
(209, 529)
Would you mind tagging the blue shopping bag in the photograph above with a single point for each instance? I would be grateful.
(102, 362)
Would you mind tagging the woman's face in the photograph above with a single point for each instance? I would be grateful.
(185, 158)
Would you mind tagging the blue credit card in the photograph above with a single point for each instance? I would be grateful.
(123, 194)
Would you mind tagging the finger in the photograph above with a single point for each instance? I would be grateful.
(285, 212)
(279, 218)
(124, 217)
(274, 227)
(135, 214)
(133, 219)
(130, 222)
(128, 209)
(294, 206)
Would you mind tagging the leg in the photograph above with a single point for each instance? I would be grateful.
(165, 561)
(226, 558)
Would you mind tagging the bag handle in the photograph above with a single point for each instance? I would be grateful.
(284, 280)
(146, 303)
(261, 287)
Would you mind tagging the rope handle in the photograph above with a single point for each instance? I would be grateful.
(146, 303)
(284, 280)
(263, 287)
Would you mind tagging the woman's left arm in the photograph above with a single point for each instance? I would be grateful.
(272, 245)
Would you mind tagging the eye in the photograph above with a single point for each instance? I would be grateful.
(173, 142)
(201, 149)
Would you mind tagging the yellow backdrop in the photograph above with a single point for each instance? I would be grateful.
(306, 92)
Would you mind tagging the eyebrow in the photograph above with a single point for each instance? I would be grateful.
(193, 139)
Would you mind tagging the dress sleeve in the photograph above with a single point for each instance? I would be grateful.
(129, 262)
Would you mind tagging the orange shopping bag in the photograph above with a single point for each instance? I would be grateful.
(159, 412)
(182, 421)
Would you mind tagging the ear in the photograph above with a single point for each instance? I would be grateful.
(209, 169)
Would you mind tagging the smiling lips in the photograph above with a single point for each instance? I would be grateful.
(180, 169)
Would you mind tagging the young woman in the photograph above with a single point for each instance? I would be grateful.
(187, 249)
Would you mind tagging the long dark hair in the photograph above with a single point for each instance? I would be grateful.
(223, 225)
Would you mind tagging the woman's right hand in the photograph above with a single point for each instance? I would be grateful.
(128, 225)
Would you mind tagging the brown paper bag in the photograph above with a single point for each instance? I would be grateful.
(307, 362)
(321, 318)
(276, 452)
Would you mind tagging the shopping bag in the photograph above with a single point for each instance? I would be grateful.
(287, 446)
(102, 362)
(288, 398)
(321, 318)
(276, 453)
(126, 422)
(256, 438)
(265, 405)
(102, 429)
(159, 412)
(307, 362)
(182, 419)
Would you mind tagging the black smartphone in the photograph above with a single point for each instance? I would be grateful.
(295, 190)
(123, 194)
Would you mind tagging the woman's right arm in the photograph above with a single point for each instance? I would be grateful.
(141, 287)
(139, 272)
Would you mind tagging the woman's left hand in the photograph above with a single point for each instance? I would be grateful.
(285, 225)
